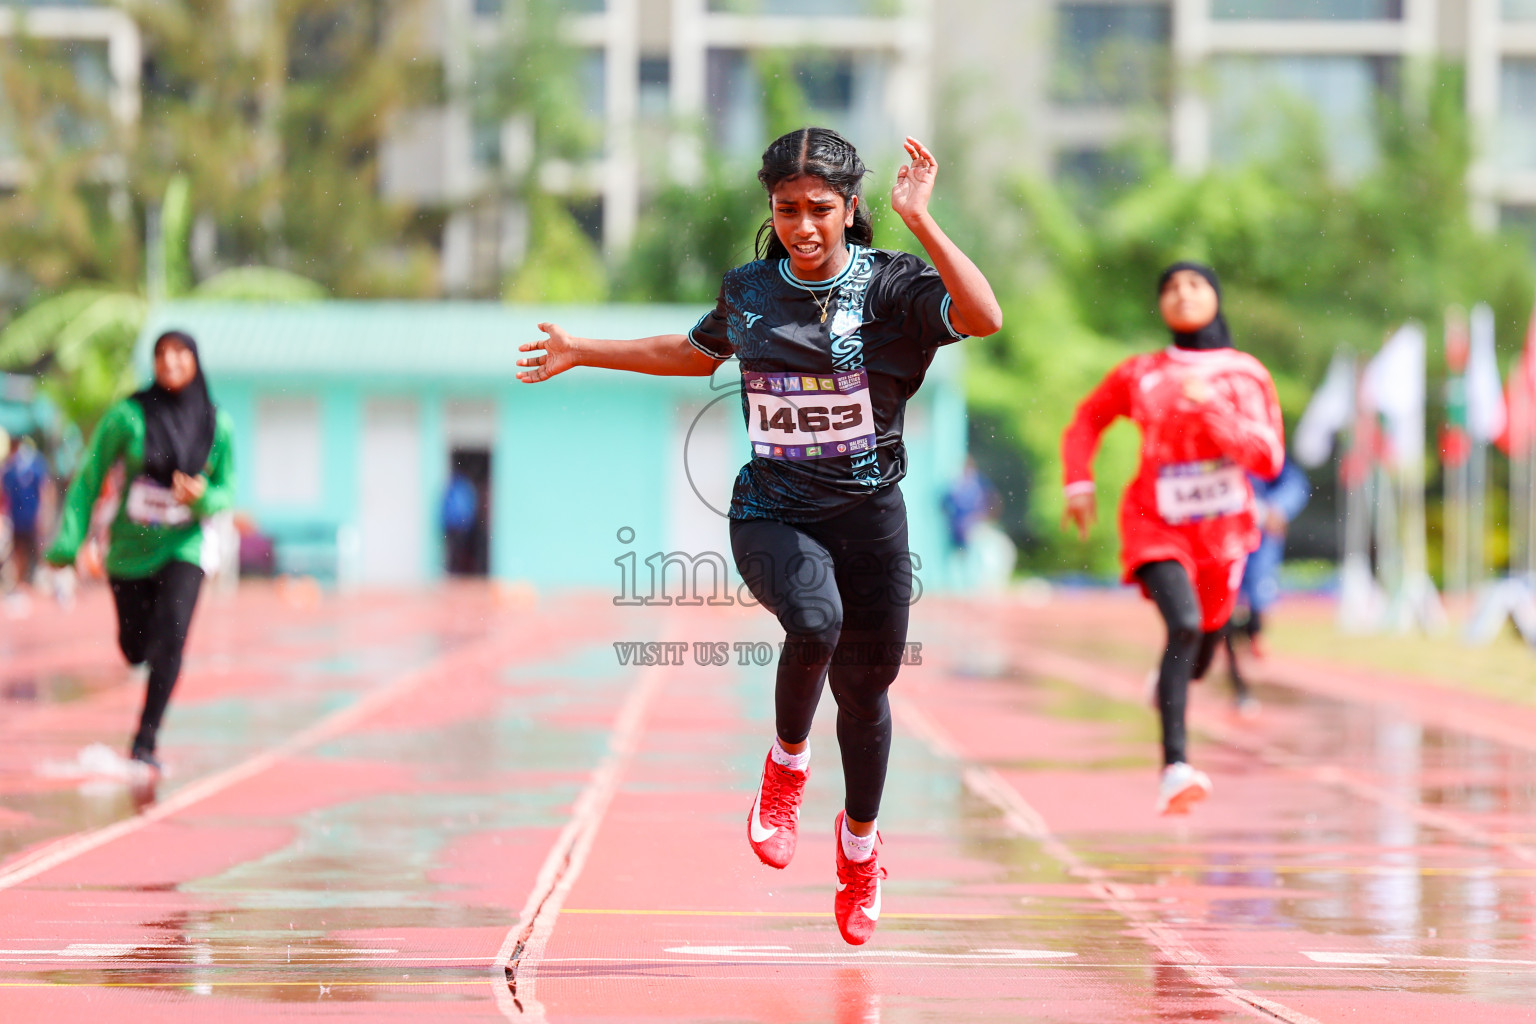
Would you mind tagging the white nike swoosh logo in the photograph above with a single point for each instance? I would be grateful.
(759, 834)
(873, 911)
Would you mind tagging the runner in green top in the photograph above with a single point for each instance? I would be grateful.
(175, 449)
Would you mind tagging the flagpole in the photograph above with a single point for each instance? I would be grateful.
(1455, 455)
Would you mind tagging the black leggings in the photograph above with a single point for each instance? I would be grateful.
(841, 588)
(153, 615)
(1189, 652)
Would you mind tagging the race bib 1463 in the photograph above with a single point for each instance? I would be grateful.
(1190, 491)
(809, 416)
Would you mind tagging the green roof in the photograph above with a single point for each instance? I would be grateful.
(404, 340)
(388, 339)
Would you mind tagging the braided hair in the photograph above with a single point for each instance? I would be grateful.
(815, 153)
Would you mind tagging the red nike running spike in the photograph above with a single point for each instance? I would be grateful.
(773, 823)
(857, 906)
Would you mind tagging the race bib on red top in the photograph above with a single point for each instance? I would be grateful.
(150, 504)
(809, 416)
(1191, 491)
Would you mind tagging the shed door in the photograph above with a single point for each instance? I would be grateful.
(391, 506)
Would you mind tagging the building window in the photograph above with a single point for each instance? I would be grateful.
(485, 140)
(1312, 10)
(655, 86)
(1520, 221)
(591, 79)
(839, 90)
(1111, 53)
(1092, 176)
(802, 7)
(587, 212)
(1517, 115)
(1259, 104)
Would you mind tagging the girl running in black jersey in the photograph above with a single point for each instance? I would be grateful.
(833, 337)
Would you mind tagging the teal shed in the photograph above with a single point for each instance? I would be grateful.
(348, 416)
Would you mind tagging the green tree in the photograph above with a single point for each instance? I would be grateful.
(278, 120)
(82, 339)
(1309, 263)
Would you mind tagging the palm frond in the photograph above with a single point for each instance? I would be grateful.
(112, 322)
(35, 333)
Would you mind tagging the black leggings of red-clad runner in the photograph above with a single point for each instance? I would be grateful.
(842, 589)
(1239, 684)
(1189, 652)
(153, 616)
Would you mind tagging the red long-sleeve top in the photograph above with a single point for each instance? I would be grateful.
(1190, 501)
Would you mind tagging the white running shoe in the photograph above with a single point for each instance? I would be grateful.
(1182, 787)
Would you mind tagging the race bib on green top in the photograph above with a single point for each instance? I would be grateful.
(150, 504)
(809, 416)
(1191, 491)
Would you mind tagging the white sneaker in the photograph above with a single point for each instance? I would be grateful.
(1182, 787)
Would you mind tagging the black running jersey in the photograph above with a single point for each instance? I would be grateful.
(827, 368)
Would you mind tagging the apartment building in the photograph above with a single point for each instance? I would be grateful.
(1206, 77)
(664, 79)
(105, 54)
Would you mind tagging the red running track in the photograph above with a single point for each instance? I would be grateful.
(443, 806)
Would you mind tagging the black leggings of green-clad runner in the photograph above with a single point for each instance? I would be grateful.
(153, 616)
(842, 589)
(1188, 655)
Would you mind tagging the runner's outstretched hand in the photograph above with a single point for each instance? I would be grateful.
(1082, 512)
(557, 355)
(914, 182)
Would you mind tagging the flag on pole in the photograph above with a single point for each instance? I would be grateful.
(1330, 411)
(1520, 397)
(1486, 412)
(1394, 385)
(1455, 437)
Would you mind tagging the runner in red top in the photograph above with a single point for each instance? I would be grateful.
(1208, 416)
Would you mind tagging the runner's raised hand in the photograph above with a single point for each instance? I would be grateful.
(914, 182)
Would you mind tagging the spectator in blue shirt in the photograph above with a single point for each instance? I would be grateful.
(1279, 502)
(24, 477)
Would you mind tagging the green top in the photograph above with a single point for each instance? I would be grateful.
(139, 549)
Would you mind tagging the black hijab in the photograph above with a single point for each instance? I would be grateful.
(178, 425)
(1213, 334)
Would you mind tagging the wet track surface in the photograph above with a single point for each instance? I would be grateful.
(450, 806)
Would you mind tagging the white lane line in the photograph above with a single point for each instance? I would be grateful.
(788, 953)
(1109, 682)
(1387, 959)
(513, 974)
(1025, 820)
(69, 847)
